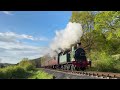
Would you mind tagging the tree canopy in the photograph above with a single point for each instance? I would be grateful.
(101, 30)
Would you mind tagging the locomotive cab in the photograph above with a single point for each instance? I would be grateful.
(80, 54)
(80, 58)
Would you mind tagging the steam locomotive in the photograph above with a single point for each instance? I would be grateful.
(70, 59)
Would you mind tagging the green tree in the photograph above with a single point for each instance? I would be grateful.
(101, 37)
(107, 23)
(27, 64)
(86, 19)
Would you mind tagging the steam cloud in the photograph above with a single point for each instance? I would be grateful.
(64, 38)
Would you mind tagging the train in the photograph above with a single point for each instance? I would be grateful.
(66, 60)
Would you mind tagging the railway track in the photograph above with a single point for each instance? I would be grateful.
(103, 75)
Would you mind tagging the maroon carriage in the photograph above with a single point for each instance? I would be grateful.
(53, 63)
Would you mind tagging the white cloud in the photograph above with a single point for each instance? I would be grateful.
(13, 53)
(13, 37)
(7, 12)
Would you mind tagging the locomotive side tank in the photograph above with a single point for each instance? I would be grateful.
(64, 58)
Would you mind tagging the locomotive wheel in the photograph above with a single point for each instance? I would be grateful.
(68, 67)
(62, 67)
(65, 67)
(82, 68)
(72, 67)
(52, 67)
(77, 68)
(55, 67)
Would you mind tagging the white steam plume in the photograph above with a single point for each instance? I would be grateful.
(64, 38)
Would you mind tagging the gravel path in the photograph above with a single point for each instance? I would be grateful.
(64, 75)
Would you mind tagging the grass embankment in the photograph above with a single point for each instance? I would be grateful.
(24, 70)
(40, 74)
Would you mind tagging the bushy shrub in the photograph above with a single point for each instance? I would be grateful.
(22, 70)
(103, 62)
(18, 72)
(12, 72)
(1, 74)
(27, 65)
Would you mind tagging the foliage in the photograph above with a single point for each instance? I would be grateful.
(107, 23)
(101, 38)
(24, 69)
(27, 65)
(17, 72)
(103, 62)
(40, 75)
(86, 19)
(12, 72)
